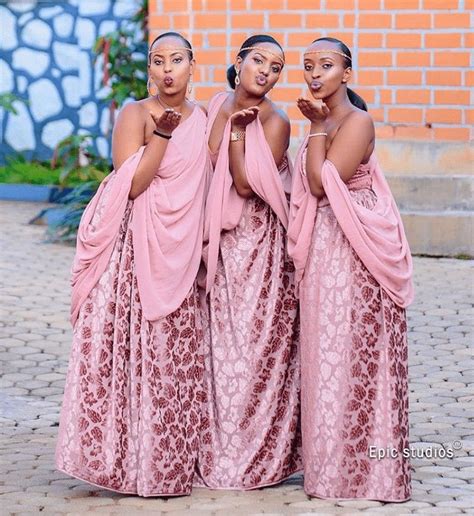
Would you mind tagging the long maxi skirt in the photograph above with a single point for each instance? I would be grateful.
(131, 408)
(250, 434)
(354, 373)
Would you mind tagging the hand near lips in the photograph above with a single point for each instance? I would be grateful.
(315, 111)
(242, 119)
(167, 122)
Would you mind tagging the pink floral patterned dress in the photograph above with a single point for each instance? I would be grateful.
(354, 385)
(132, 403)
(250, 434)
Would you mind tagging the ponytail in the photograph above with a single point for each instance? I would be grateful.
(356, 100)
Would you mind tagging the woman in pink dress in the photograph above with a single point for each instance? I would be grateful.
(249, 434)
(131, 408)
(349, 248)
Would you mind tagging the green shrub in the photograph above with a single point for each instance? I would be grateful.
(125, 54)
(67, 161)
(18, 170)
(74, 204)
(66, 172)
(78, 165)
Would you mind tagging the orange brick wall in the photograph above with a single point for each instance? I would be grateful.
(412, 58)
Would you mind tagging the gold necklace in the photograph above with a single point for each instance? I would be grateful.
(165, 105)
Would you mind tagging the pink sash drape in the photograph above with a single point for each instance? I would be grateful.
(224, 205)
(167, 223)
(377, 236)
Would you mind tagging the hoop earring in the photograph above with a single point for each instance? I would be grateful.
(237, 79)
(148, 88)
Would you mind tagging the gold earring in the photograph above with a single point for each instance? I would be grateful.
(237, 79)
(190, 84)
(148, 88)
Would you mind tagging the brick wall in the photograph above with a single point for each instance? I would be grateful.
(412, 58)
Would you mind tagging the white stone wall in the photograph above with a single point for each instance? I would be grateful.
(46, 58)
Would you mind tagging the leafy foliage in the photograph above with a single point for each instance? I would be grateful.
(74, 162)
(7, 100)
(77, 161)
(78, 166)
(18, 170)
(124, 53)
(74, 204)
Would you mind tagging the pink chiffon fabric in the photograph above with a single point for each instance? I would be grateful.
(224, 205)
(167, 225)
(132, 403)
(354, 375)
(250, 435)
(377, 234)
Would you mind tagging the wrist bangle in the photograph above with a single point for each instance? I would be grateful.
(317, 134)
(237, 136)
(161, 135)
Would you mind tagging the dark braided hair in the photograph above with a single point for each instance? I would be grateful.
(355, 99)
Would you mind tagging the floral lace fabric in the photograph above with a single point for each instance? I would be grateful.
(131, 408)
(250, 435)
(354, 381)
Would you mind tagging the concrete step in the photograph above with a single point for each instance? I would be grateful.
(417, 158)
(440, 233)
(433, 192)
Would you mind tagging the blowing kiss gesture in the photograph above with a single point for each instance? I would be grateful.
(167, 122)
(316, 111)
(241, 119)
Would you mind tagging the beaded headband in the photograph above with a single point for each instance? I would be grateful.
(263, 49)
(176, 49)
(328, 50)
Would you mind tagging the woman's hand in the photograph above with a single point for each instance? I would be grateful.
(242, 119)
(167, 122)
(315, 111)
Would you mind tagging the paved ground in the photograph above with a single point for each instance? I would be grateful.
(34, 347)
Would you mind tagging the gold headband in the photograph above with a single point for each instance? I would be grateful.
(263, 49)
(176, 49)
(328, 50)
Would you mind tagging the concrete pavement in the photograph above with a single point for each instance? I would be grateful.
(34, 347)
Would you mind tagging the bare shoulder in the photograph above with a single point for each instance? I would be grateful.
(280, 117)
(359, 119)
(276, 126)
(133, 112)
(275, 117)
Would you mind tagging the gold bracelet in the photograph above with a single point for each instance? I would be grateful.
(317, 134)
(237, 136)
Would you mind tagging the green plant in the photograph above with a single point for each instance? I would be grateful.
(124, 53)
(65, 229)
(77, 161)
(7, 100)
(125, 69)
(18, 170)
(80, 167)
